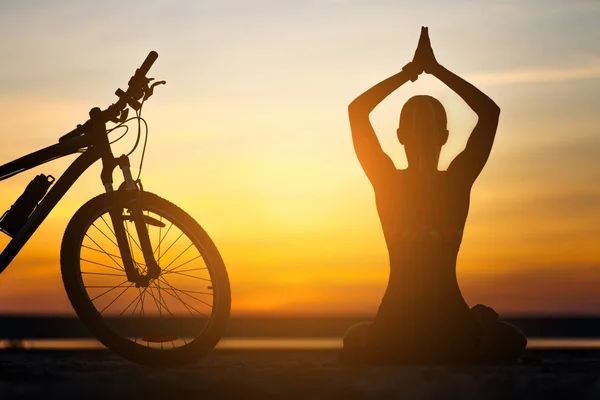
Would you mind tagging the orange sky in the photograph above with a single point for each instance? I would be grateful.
(250, 136)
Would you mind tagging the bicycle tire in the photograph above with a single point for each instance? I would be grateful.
(94, 321)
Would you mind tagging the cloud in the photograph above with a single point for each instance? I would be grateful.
(544, 74)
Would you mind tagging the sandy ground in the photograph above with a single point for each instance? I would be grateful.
(289, 374)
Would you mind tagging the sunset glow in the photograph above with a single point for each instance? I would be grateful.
(250, 136)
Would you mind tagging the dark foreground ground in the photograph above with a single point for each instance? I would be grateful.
(291, 374)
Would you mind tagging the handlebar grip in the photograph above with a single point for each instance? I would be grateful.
(143, 70)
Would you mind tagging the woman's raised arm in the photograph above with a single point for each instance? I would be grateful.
(376, 164)
(472, 159)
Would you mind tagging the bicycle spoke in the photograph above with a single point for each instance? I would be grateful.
(116, 298)
(159, 236)
(139, 265)
(108, 291)
(132, 301)
(191, 291)
(187, 306)
(185, 270)
(140, 291)
(108, 226)
(191, 276)
(193, 297)
(129, 241)
(105, 252)
(169, 248)
(100, 286)
(99, 251)
(162, 298)
(103, 265)
(169, 311)
(105, 235)
(175, 292)
(181, 265)
(175, 259)
(98, 273)
(157, 303)
(143, 296)
(131, 238)
(163, 238)
(142, 310)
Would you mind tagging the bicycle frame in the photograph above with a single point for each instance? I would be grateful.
(97, 147)
(56, 192)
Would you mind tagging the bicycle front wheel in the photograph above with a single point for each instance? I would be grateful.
(178, 317)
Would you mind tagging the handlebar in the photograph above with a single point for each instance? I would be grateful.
(143, 70)
(137, 88)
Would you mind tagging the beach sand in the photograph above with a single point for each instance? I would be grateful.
(291, 374)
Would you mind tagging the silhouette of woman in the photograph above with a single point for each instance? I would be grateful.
(423, 317)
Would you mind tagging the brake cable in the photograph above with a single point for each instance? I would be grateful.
(122, 125)
(140, 120)
(145, 143)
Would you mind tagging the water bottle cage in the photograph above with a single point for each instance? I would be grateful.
(15, 218)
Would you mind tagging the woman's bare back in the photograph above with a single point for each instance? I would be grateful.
(423, 211)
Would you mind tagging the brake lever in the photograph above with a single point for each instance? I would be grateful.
(150, 89)
(122, 116)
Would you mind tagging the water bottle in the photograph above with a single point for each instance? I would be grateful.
(13, 220)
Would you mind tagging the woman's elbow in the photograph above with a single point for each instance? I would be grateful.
(354, 108)
(495, 111)
(490, 113)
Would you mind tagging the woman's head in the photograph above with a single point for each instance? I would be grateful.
(422, 130)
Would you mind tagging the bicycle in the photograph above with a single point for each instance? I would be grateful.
(135, 299)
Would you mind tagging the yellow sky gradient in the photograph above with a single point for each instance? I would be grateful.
(250, 136)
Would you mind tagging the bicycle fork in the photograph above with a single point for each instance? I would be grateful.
(117, 215)
(136, 214)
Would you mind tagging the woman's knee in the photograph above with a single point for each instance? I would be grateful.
(504, 342)
(513, 337)
(356, 335)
